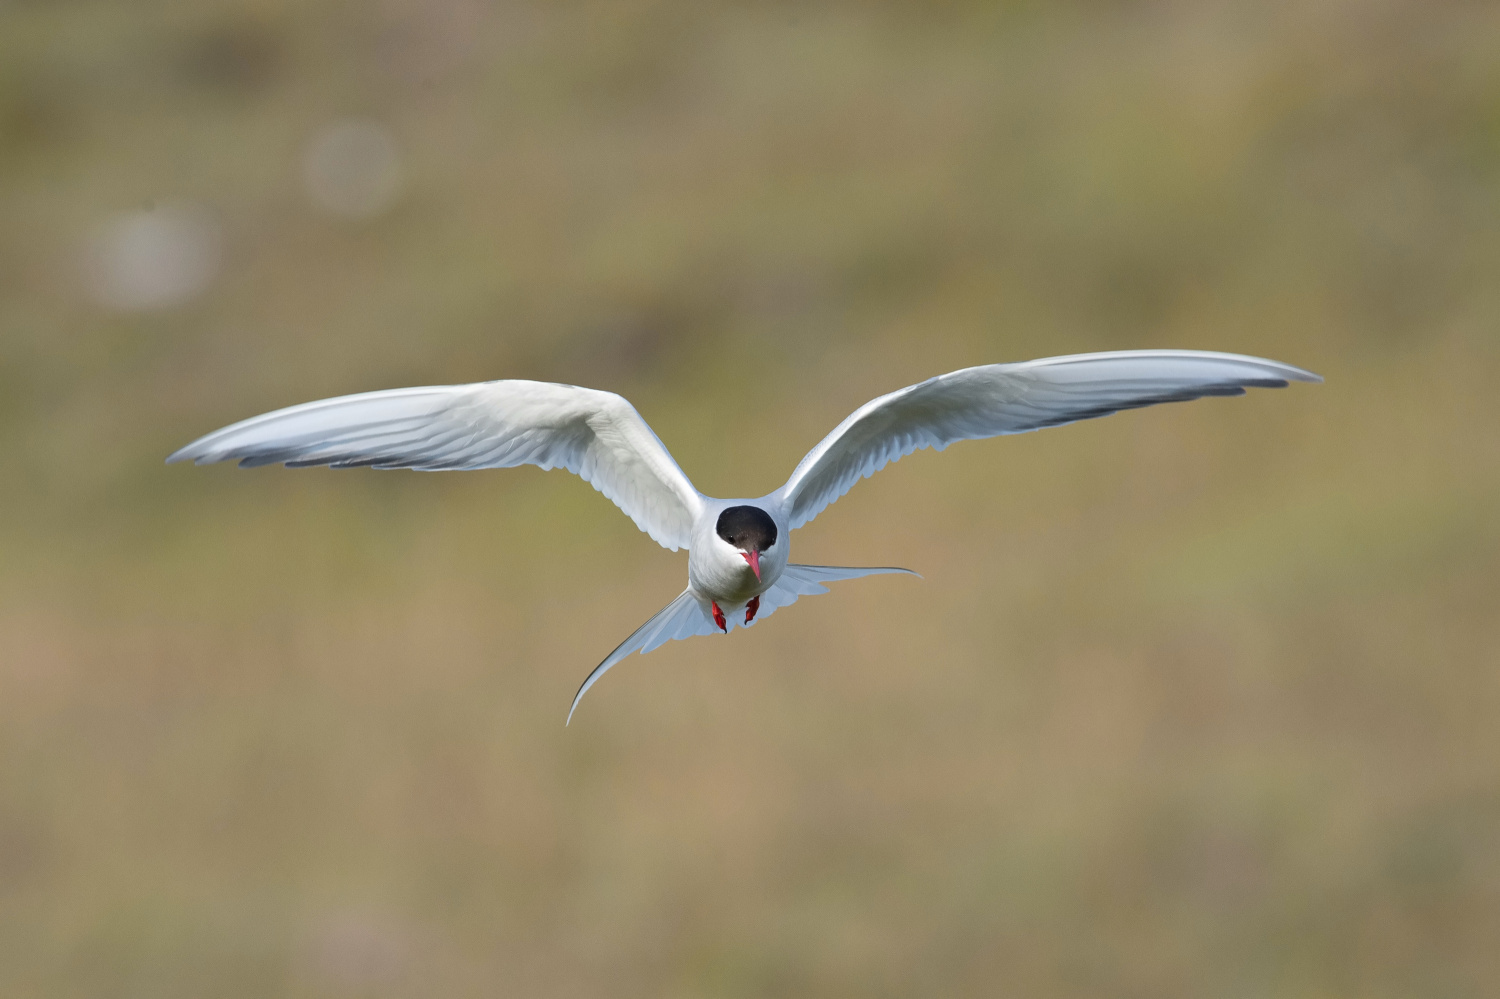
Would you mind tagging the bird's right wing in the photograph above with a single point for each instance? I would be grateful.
(684, 617)
(596, 435)
(999, 399)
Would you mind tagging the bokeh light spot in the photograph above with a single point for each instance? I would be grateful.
(154, 257)
(353, 169)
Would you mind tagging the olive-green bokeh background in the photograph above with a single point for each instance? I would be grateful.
(1198, 701)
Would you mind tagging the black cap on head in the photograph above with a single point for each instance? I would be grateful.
(748, 528)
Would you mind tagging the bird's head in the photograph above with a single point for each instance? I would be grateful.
(750, 530)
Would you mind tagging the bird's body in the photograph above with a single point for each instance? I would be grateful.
(716, 568)
(739, 570)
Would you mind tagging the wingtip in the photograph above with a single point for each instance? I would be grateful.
(1295, 374)
(189, 452)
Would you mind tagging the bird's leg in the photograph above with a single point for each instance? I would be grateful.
(751, 608)
(719, 617)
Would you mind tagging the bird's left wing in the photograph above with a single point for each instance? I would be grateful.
(684, 617)
(1010, 399)
(596, 435)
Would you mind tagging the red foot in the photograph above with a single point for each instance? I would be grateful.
(719, 617)
(751, 608)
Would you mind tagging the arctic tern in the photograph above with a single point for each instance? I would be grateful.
(738, 549)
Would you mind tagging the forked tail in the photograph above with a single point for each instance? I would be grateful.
(691, 615)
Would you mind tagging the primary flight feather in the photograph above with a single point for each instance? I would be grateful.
(737, 548)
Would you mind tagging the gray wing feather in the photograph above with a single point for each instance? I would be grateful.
(997, 399)
(597, 435)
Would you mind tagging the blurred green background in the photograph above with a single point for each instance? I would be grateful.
(1198, 701)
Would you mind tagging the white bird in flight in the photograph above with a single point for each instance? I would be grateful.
(738, 567)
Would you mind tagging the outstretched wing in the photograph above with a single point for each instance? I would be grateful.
(999, 399)
(684, 617)
(597, 435)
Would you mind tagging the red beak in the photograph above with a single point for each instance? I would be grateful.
(753, 557)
